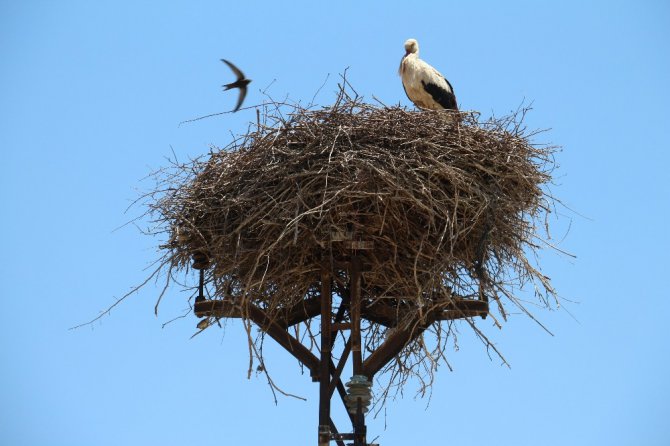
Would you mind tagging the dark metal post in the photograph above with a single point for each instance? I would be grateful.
(360, 430)
(355, 312)
(357, 354)
(324, 366)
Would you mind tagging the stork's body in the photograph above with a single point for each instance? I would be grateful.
(424, 85)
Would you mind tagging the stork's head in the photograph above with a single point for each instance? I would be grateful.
(411, 47)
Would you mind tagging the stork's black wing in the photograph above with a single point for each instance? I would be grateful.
(445, 98)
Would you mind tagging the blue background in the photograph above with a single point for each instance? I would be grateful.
(91, 94)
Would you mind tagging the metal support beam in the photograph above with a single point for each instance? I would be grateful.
(324, 366)
(340, 366)
(355, 313)
(453, 307)
(333, 323)
(283, 338)
(229, 308)
(226, 308)
(394, 344)
(356, 352)
(335, 434)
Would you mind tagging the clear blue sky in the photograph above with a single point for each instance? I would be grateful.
(90, 97)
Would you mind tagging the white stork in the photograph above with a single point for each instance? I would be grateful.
(423, 84)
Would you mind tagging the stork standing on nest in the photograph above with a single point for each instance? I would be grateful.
(423, 84)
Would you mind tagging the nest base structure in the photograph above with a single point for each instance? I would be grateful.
(345, 321)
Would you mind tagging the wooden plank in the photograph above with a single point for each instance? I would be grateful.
(389, 315)
(229, 308)
(300, 312)
(218, 308)
(462, 308)
(384, 313)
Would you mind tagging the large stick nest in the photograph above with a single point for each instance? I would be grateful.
(447, 203)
